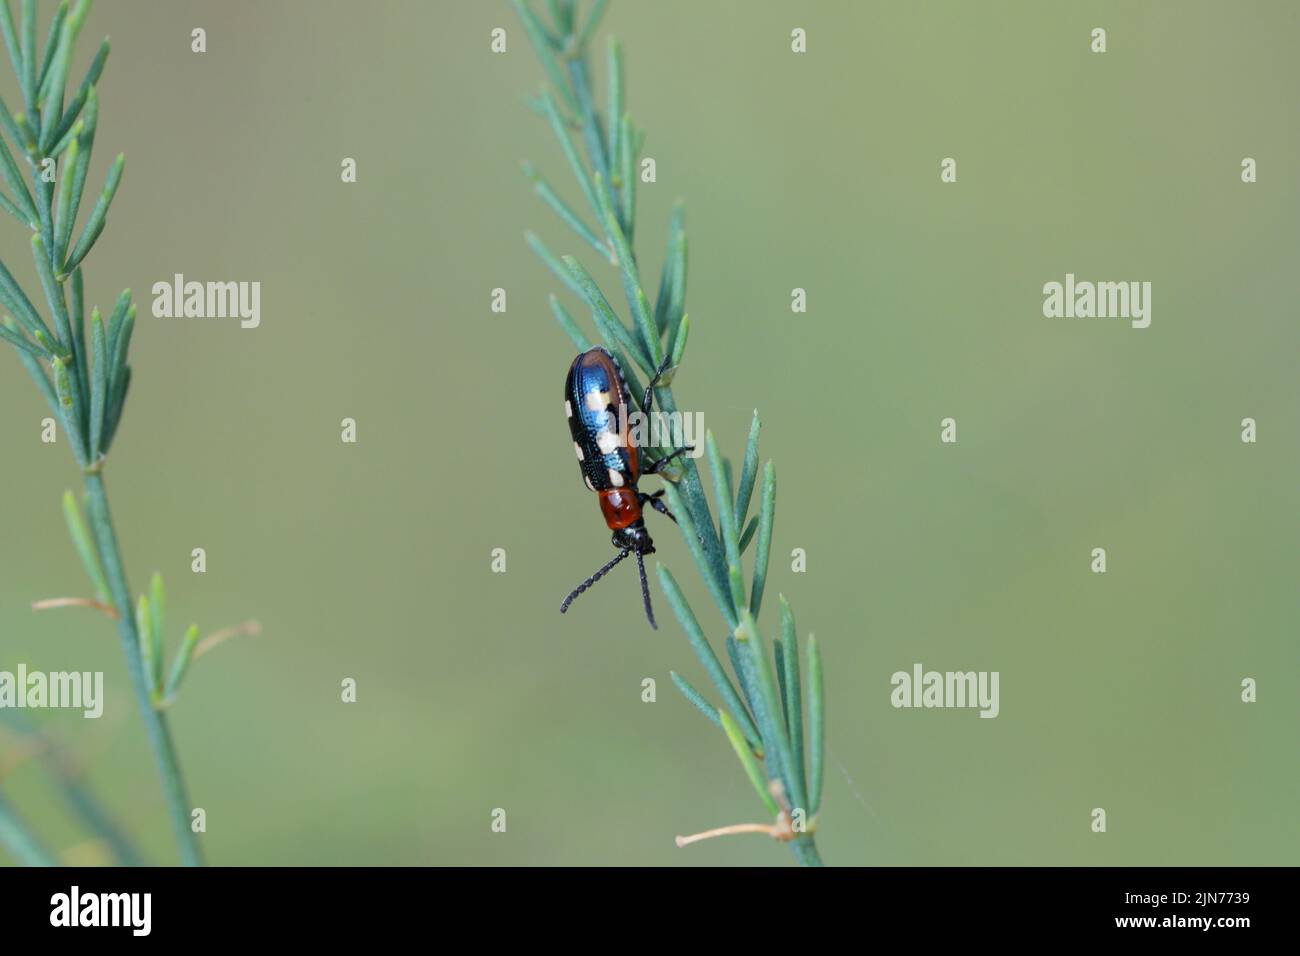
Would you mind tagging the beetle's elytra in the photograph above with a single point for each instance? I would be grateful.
(597, 405)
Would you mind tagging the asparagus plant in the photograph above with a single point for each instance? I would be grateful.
(761, 712)
(84, 376)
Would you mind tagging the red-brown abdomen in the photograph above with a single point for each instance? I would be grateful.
(620, 508)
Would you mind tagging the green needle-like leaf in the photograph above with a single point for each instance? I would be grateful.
(569, 325)
(85, 95)
(116, 402)
(120, 327)
(55, 80)
(540, 38)
(779, 670)
(606, 319)
(13, 210)
(728, 482)
(552, 262)
(7, 205)
(766, 515)
(95, 224)
(772, 719)
(144, 628)
(736, 580)
(157, 611)
(15, 300)
(17, 184)
(627, 173)
(70, 410)
(570, 151)
(52, 40)
(793, 695)
(618, 339)
(53, 293)
(122, 341)
(25, 138)
(64, 207)
(98, 385)
(566, 213)
(561, 16)
(747, 760)
(590, 122)
(614, 75)
(737, 665)
(28, 40)
(33, 367)
(743, 662)
(695, 697)
(671, 298)
(85, 547)
(636, 299)
(11, 39)
(114, 327)
(181, 664)
(726, 519)
(696, 547)
(119, 372)
(679, 341)
(748, 533)
(748, 471)
(816, 725)
(704, 651)
(593, 21)
(77, 315)
(14, 338)
(76, 166)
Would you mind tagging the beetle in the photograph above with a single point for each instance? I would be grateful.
(597, 404)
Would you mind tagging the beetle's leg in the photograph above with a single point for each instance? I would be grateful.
(654, 502)
(645, 590)
(649, 398)
(656, 466)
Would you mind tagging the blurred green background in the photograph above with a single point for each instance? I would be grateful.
(821, 171)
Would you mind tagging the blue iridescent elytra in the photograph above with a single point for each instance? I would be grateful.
(596, 403)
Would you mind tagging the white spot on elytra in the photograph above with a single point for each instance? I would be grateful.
(607, 441)
(568, 409)
(578, 451)
(590, 486)
(615, 478)
(597, 400)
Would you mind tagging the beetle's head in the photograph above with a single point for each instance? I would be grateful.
(634, 538)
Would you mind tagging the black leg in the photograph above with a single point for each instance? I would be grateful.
(655, 467)
(649, 398)
(654, 502)
(645, 591)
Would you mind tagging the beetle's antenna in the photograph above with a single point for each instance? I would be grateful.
(596, 577)
(645, 590)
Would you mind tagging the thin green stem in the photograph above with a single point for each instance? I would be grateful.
(160, 738)
(71, 784)
(18, 839)
(805, 851)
